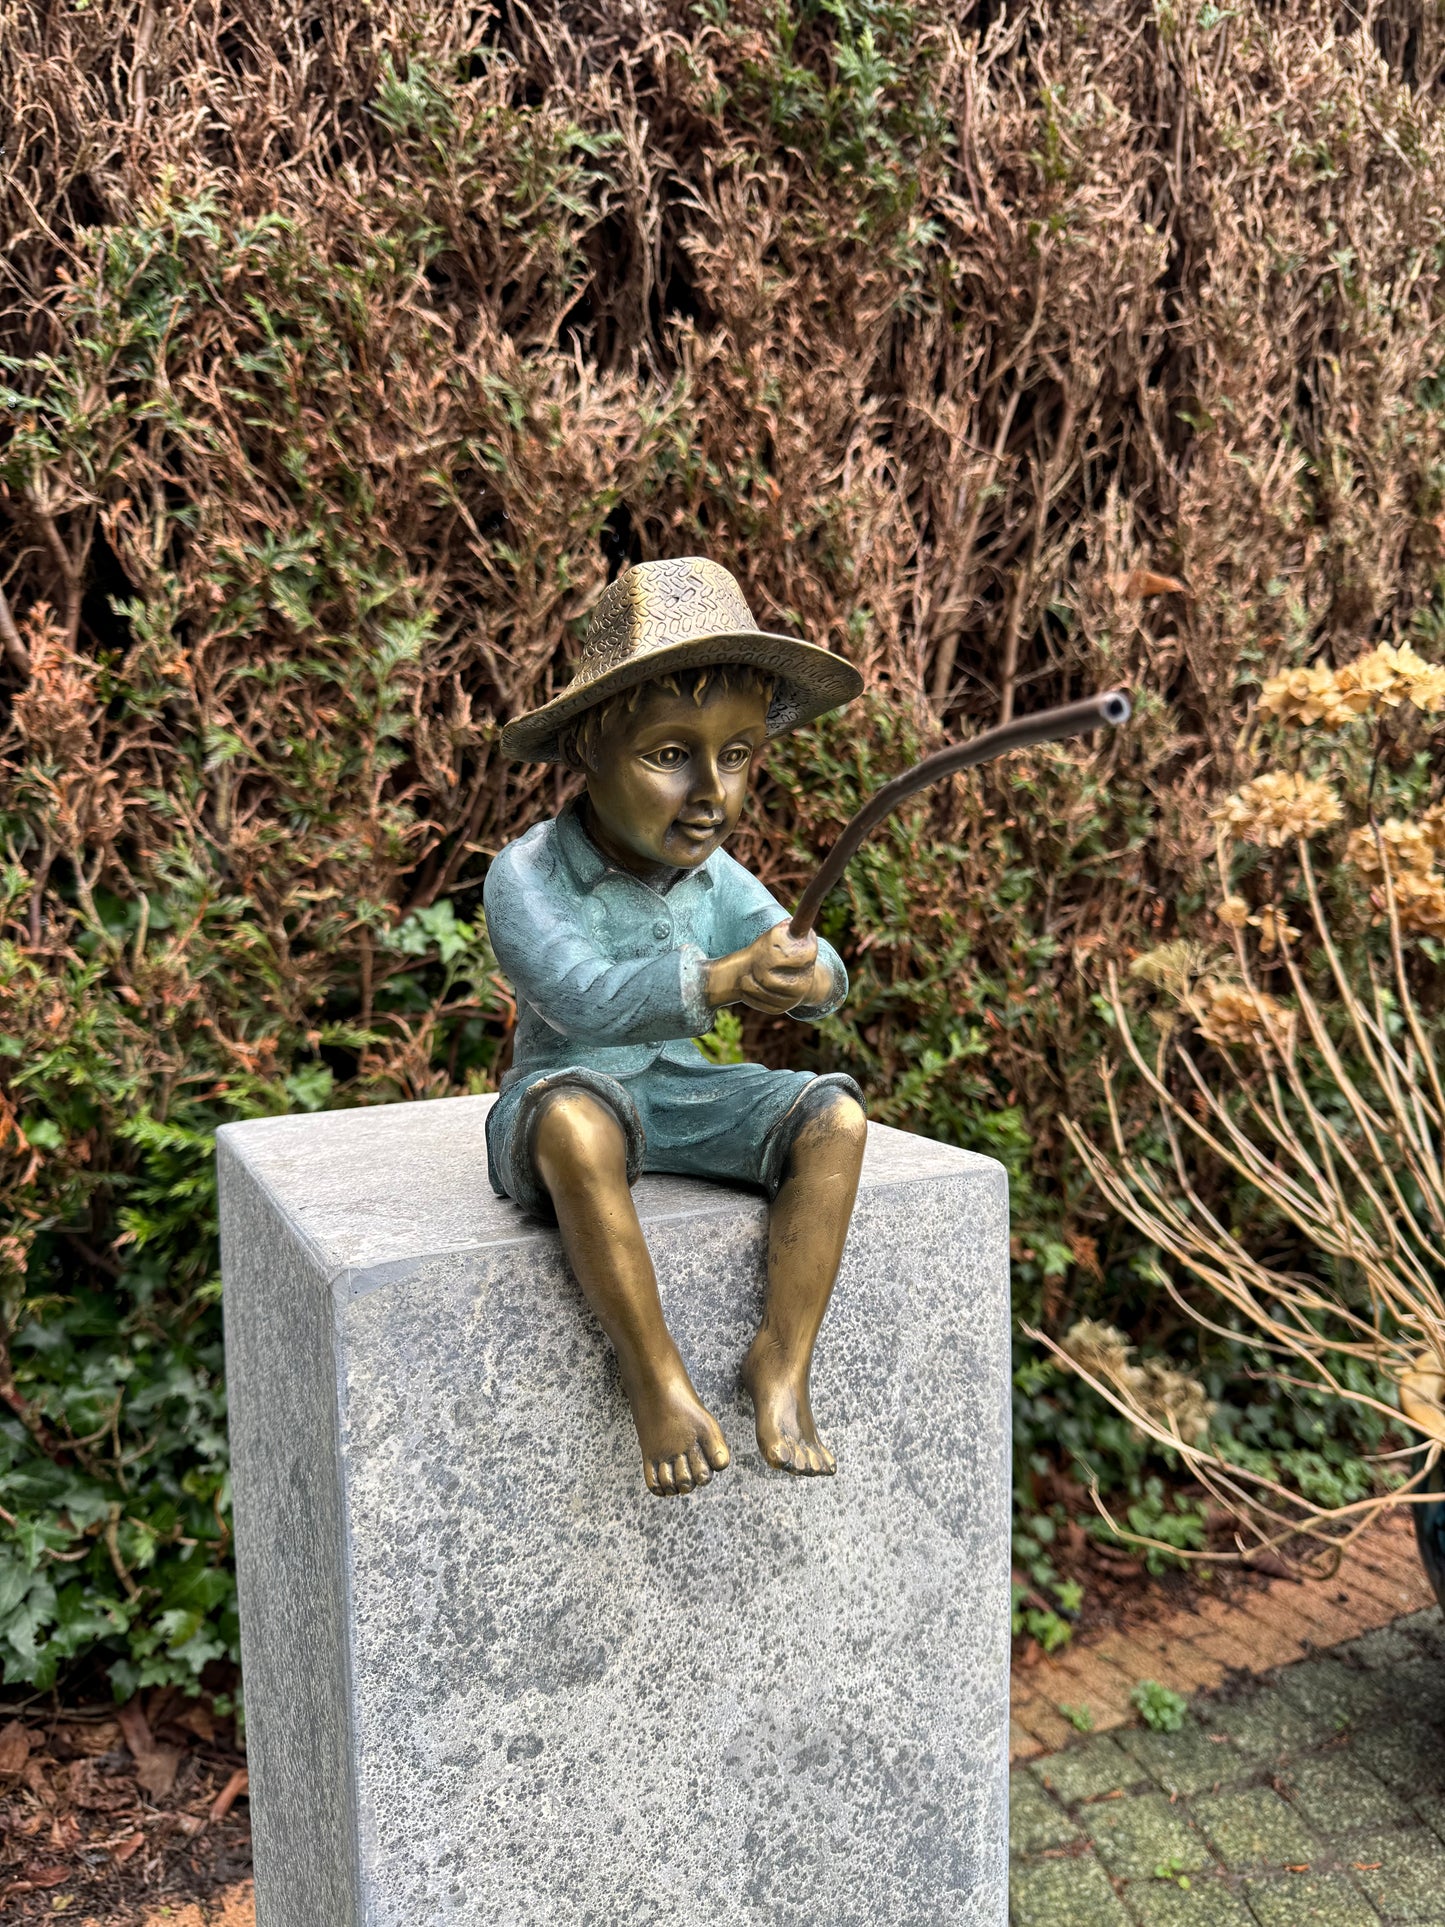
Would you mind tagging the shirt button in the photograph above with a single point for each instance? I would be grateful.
(659, 930)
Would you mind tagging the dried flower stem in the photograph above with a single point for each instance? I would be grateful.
(1361, 1179)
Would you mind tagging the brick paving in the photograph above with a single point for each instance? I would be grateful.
(1312, 1794)
(1198, 1649)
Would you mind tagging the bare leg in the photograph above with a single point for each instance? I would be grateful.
(806, 1229)
(582, 1159)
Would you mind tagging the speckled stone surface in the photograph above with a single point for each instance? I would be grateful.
(489, 1678)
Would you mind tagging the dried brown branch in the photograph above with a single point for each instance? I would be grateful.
(1327, 1112)
(16, 653)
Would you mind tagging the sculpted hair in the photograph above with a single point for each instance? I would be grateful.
(580, 739)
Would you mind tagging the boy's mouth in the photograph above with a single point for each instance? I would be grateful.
(698, 830)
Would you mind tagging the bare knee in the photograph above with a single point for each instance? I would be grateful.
(578, 1140)
(833, 1136)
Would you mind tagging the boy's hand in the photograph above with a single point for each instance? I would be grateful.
(775, 973)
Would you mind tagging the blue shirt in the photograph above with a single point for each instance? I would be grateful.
(610, 972)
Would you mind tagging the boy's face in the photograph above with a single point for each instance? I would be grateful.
(670, 777)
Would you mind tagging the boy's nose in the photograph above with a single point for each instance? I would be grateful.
(707, 783)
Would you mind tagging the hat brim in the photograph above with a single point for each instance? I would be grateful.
(810, 682)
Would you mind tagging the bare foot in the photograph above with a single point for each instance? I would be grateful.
(682, 1443)
(787, 1436)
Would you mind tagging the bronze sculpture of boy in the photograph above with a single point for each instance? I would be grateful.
(624, 927)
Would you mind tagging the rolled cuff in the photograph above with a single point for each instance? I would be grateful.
(511, 1154)
(812, 1013)
(814, 1097)
(699, 1013)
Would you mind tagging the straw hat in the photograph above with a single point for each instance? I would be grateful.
(681, 614)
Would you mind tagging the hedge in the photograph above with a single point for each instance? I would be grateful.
(350, 349)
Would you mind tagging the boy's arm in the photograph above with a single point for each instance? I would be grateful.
(542, 942)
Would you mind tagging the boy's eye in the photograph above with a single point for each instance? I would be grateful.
(668, 757)
(735, 756)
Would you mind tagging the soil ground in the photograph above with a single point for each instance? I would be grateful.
(108, 1817)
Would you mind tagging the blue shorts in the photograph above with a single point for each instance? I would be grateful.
(683, 1114)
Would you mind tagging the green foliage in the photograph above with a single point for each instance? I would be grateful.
(849, 83)
(1160, 1708)
(1044, 1603)
(113, 1462)
(1033, 1619)
(1169, 1519)
(1325, 1447)
(724, 1042)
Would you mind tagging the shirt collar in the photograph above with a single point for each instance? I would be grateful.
(588, 866)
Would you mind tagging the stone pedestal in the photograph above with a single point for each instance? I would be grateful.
(489, 1678)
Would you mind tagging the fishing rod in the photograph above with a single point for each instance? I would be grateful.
(1047, 726)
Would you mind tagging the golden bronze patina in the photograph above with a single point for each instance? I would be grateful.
(676, 693)
(686, 613)
(665, 787)
(675, 696)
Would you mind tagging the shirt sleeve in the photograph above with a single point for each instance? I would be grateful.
(541, 940)
(746, 909)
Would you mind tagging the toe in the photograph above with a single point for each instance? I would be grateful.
(717, 1452)
(664, 1477)
(830, 1464)
(701, 1470)
(649, 1472)
(682, 1473)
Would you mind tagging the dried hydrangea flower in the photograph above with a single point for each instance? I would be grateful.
(1280, 807)
(1427, 692)
(1171, 966)
(1420, 903)
(1419, 682)
(1389, 677)
(1233, 911)
(1366, 681)
(1275, 930)
(1168, 1396)
(1101, 1349)
(1234, 1014)
(1409, 846)
(1307, 696)
(1178, 1402)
